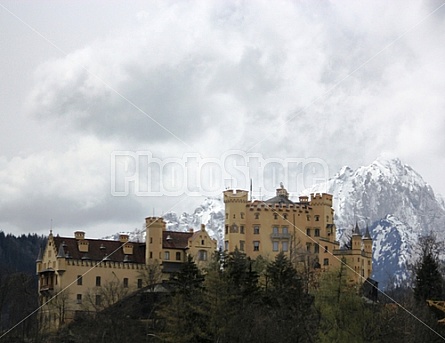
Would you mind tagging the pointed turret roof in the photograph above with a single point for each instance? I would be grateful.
(61, 252)
(367, 235)
(40, 255)
(356, 230)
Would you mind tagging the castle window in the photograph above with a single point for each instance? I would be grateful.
(257, 215)
(241, 245)
(308, 232)
(317, 232)
(242, 215)
(308, 247)
(151, 254)
(326, 248)
(285, 216)
(178, 256)
(79, 298)
(285, 231)
(227, 229)
(256, 230)
(151, 240)
(139, 283)
(317, 218)
(256, 246)
(326, 262)
(125, 282)
(275, 216)
(308, 217)
(98, 281)
(234, 228)
(227, 216)
(275, 246)
(241, 229)
(275, 229)
(98, 300)
(79, 280)
(202, 255)
(167, 255)
(202, 242)
(285, 246)
(316, 249)
(234, 216)
(226, 245)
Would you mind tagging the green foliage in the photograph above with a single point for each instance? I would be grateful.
(189, 279)
(241, 277)
(344, 315)
(183, 317)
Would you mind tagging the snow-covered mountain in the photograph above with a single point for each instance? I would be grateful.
(388, 196)
(210, 213)
(396, 203)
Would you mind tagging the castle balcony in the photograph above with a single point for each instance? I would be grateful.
(46, 281)
(46, 288)
(280, 235)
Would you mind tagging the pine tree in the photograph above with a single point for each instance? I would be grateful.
(286, 303)
(428, 281)
(182, 314)
(240, 274)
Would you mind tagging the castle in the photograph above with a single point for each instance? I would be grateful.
(303, 230)
(91, 274)
(88, 275)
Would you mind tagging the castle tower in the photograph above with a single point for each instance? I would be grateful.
(154, 228)
(323, 215)
(235, 222)
(367, 242)
(356, 240)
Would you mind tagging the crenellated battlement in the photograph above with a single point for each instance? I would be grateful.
(235, 196)
(322, 199)
(155, 222)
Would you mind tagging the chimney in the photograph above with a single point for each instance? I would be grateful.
(79, 235)
(123, 238)
(83, 245)
(128, 248)
(203, 227)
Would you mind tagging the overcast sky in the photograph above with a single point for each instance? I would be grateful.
(99, 100)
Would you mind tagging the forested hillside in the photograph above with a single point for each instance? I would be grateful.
(18, 283)
(18, 254)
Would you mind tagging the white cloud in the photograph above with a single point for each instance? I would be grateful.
(341, 81)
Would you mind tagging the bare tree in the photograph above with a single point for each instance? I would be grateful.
(58, 307)
(152, 274)
(99, 298)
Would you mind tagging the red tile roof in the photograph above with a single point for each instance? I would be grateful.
(100, 248)
(176, 240)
